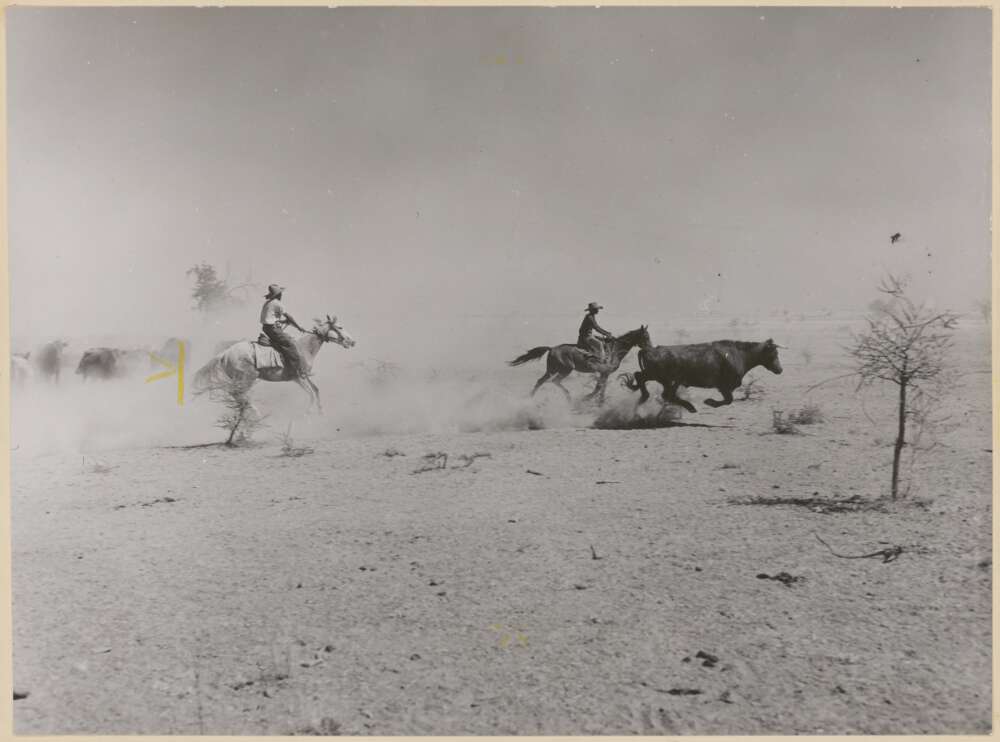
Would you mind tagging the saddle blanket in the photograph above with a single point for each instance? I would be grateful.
(265, 356)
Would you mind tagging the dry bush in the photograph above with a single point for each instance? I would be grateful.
(808, 415)
(288, 447)
(781, 424)
(240, 417)
(908, 345)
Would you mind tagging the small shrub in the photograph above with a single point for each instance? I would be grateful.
(288, 447)
(781, 424)
(240, 418)
(808, 415)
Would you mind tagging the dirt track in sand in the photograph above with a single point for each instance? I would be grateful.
(242, 592)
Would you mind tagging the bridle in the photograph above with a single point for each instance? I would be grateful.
(331, 327)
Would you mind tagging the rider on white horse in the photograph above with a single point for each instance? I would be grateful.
(272, 317)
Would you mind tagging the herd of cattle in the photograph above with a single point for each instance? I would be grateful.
(49, 361)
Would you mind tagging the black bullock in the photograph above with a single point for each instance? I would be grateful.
(109, 363)
(719, 365)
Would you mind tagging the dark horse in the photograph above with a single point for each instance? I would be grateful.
(566, 358)
(720, 365)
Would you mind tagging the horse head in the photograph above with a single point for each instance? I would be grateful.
(639, 336)
(330, 332)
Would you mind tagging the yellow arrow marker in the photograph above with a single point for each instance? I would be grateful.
(178, 369)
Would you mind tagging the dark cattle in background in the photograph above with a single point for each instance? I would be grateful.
(718, 365)
(49, 359)
(109, 363)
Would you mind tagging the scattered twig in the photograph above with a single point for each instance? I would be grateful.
(888, 555)
(606, 481)
(536, 473)
(469, 458)
(835, 378)
(784, 578)
(434, 461)
(593, 554)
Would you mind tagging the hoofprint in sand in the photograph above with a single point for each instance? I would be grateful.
(573, 581)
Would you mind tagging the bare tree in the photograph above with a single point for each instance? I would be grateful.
(240, 417)
(211, 293)
(906, 344)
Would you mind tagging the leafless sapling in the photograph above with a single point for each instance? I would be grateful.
(905, 344)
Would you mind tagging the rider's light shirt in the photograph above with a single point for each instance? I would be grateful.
(272, 313)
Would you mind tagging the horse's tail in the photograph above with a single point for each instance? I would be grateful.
(629, 382)
(532, 355)
(210, 376)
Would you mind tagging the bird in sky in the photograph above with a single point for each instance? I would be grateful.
(895, 238)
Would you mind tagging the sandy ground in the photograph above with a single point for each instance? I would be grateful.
(563, 584)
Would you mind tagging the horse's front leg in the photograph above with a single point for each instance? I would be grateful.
(315, 390)
(308, 387)
(602, 380)
(602, 388)
(727, 398)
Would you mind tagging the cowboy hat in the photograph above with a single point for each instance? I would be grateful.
(273, 290)
(593, 305)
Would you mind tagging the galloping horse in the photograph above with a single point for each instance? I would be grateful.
(246, 362)
(566, 358)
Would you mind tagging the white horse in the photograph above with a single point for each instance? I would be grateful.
(242, 364)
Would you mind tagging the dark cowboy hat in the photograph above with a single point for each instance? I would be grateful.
(273, 290)
(593, 305)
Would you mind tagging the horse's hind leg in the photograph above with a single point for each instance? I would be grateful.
(545, 377)
(727, 398)
(558, 382)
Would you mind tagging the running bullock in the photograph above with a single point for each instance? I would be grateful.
(719, 365)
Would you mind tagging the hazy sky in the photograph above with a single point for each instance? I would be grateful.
(425, 162)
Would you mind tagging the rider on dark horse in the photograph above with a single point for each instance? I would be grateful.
(588, 327)
(272, 318)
